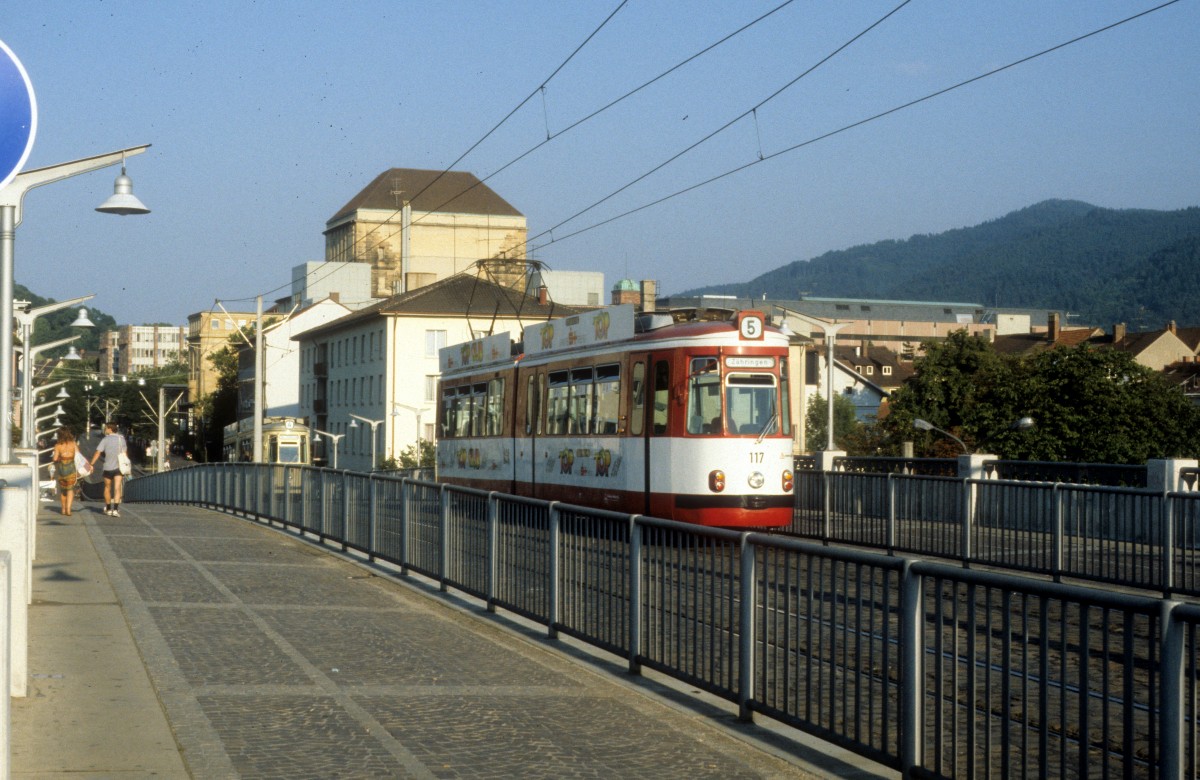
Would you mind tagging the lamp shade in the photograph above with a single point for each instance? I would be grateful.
(72, 354)
(123, 202)
(82, 320)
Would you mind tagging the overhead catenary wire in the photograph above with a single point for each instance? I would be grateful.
(830, 134)
(319, 274)
(489, 133)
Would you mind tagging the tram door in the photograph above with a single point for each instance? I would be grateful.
(535, 387)
(656, 411)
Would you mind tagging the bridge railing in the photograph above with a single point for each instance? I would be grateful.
(1130, 536)
(929, 669)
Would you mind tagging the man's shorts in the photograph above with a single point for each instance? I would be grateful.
(110, 474)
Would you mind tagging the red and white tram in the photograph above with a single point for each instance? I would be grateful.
(654, 414)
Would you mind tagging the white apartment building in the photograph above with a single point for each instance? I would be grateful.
(133, 348)
(281, 367)
(381, 363)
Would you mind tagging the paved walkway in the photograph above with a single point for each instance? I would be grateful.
(177, 642)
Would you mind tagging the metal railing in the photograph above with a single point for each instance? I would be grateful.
(1133, 537)
(930, 669)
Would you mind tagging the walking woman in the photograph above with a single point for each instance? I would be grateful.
(111, 447)
(64, 468)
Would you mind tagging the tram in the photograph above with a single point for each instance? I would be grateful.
(285, 440)
(671, 415)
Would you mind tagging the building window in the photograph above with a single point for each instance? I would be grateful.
(434, 340)
(430, 387)
(842, 306)
(887, 370)
(870, 370)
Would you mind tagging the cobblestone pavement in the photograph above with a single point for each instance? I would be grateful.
(272, 657)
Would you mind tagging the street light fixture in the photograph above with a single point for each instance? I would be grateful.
(417, 411)
(336, 438)
(28, 356)
(1020, 424)
(12, 197)
(374, 427)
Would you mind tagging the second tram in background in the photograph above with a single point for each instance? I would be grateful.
(662, 414)
(285, 440)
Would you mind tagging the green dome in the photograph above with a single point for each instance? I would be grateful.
(626, 285)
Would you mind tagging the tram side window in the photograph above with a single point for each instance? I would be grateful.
(478, 408)
(608, 399)
(704, 396)
(581, 401)
(495, 407)
(557, 402)
(637, 412)
(662, 395)
(530, 403)
(447, 428)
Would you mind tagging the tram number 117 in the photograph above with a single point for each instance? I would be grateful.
(756, 457)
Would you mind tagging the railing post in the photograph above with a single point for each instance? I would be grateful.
(405, 517)
(968, 519)
(493, 547)
(893, 487)
(555, 563)
(635, 594)
(1057, 495)
(372, 517)
(827, 516)
(746, 642)
(346, 512)
(1171, 692)
(444, 498)
(912, 652)
(1168, 544)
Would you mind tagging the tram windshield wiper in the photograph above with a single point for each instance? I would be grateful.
(767, 428)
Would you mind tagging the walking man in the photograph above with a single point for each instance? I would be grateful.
(111, 447)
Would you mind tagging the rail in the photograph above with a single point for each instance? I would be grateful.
(933, 670)
(1133, 537)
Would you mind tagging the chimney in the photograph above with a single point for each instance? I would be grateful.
(1118, 333)
(543, 295)
(1171, 326)
(1052, 327)
(335, 297)
(649, 294)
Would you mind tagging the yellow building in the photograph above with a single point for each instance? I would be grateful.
(415, 227)
(208, 332)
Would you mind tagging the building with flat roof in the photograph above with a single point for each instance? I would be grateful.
(133, 348)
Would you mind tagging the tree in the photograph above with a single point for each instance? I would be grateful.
(422, 455)
(845, 423)
(1089, 405)
(219, 408)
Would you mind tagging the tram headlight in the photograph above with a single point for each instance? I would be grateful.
(716, 480)
(788, 482)
(756, 479)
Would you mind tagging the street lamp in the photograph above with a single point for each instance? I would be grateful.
(374, 427)
(417, 411)
(925, 425)
(1020, 424)
(12, 197)
(336, 438)
(831, 330)
(25, 316)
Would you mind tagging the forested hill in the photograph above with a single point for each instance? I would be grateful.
(1133, 265)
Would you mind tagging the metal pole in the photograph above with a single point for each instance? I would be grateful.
(830, 337)
(162, 433)
(8, 230)
(258, 384)
(27, 413)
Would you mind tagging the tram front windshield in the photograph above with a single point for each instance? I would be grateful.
(750, 404)
(744, 403)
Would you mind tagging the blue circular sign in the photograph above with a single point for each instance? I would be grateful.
(18, 115)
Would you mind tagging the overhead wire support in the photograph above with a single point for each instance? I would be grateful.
(838, 131)
(749, 112)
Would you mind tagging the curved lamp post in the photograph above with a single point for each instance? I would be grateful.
(12, 197)
(336, 437)
(1021, 424)
(374, 427)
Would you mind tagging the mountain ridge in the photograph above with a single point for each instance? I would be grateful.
(1105, 265)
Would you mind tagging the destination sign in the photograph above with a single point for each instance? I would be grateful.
(750, 362)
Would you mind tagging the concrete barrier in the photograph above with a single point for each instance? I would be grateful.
(16, 483)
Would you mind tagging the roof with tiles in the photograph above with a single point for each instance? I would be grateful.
(457, 295)
(449, 192)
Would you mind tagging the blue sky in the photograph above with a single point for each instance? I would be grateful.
(267, 117)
